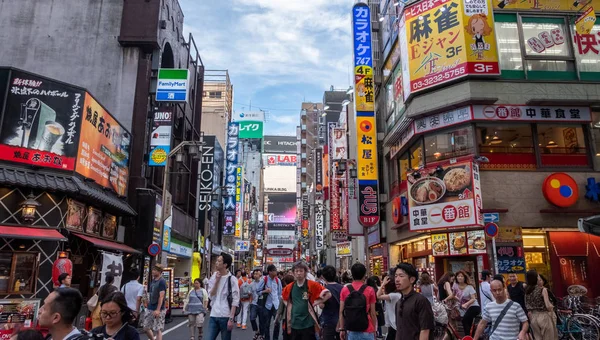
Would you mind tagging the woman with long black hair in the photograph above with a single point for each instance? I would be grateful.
(391, 296)
(116, 317)
(539, 308)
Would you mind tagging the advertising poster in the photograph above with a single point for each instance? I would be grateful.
(160, 137)
(476, 242)
(546, 5)
(158, 222)
(231, 159)
(280, 144)
(447, 40)
(41, 123)
(251, 130)
(343, 248)
(18, 313)
(166, 233)
(585, 22)
(241, 245)
(94, 221)
(439, 244)
(75, 215)
(509, 234)
(458, 243)
(510, 258)
(282, 208)
(444, 197)
(574, 271)
(368, 198)
(319, 170)
(103, 148)
(109, 226)
(319, 225)
(339, 146)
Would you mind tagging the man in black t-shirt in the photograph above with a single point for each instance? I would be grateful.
(331, 307)
(516, 290)
(414, 316)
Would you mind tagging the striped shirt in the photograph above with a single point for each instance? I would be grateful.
(508, 329)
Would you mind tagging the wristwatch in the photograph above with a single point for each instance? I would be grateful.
(230, 319)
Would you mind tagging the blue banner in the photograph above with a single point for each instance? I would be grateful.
(231, 158)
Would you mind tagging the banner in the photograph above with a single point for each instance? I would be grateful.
(343, 248)
(280, 144)
(111, 264)
(160, 138)
(319, 225)
(339, 146)
(546, 5)
(445, 196)
(368, 191)
(319, 170)
(103, 148)
(41, 122)
(166, 232)
(231, 158)
(251, 130)
(239, 194)
(585, 22)
(447, 40)
(364, 93)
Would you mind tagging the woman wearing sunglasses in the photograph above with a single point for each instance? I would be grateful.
(116, 316)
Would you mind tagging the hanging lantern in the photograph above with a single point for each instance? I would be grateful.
(61, 265)
(29, 208)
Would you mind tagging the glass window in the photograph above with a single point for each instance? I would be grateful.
(587, 50)
(507, 34)
(449, 144)
(17, 272)
(561, 145)
(545, 37)
(506, 139)
(416, 155)
(596, 138)
(405, 166)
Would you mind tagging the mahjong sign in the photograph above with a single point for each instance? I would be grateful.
(172, 85)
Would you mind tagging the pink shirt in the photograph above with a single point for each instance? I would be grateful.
(369, 294)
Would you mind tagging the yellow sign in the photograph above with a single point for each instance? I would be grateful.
(367, 148)
(546, 5)
(509, 234)
(343, 248)
(439, 244)
(446, 40)
(585, 22)
(365, 91)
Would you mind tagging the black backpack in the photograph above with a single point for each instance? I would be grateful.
(355, 310)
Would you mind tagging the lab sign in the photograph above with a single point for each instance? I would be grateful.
(172, 85)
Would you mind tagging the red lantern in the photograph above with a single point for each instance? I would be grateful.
(61, 265)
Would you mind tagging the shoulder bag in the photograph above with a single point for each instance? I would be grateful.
(501, 316)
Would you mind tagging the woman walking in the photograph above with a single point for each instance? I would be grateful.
(427, 286)
(195, 308)
(467, 297)
(116, 317)
(539, 308)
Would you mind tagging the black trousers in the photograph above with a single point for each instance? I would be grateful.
(304, 334)
(391, 335)
(467, 320)
(330, 333)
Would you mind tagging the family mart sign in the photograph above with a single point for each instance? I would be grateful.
(172, 85)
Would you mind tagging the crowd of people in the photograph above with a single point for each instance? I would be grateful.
(326, 305)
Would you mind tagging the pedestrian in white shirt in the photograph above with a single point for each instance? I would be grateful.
(485, 291)
(225, 299)
(133, 291)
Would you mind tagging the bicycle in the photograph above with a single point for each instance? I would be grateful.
(575, 326)
(451, 332)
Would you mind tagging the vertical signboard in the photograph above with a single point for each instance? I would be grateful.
(368, 200)
(239, 194)
(160, 138)
(41, 123)
(172, 85)
(319, 170)
(319, 225)
(103, 148)
(447, 40)
(231, 157)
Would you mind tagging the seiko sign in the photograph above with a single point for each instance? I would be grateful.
(206, 175)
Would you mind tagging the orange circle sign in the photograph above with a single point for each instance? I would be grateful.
(561, 190)
(396, 210)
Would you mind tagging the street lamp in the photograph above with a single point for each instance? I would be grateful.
(29, 208)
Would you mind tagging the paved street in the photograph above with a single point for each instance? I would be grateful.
(178, 330)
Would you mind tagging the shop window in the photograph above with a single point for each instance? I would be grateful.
(587, 53)
(508, 147)
(405, 166)
(596, 138)
(416, 155)
(507, 33)
(18, 272)
(561, 145)
(449, 144)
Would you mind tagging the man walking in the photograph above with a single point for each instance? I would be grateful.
(256, 276)
(133, 291)
(245, 299)
(301, 296)
(58, 313)
(516, 290)
(414, 316)
(269, 291)
(154, 319)
(484, 289)
(225, 297)
(358, 317)
(508, 319)
(331, 307)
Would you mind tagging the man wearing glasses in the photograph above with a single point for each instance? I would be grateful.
(414, 316)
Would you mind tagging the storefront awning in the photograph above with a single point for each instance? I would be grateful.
(45, 234)
(104, 244)
(70, 184)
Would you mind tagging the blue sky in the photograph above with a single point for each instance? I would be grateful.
(279, 53)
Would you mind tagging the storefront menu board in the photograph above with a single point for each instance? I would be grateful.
(459, 243)
(18, 313)
(181, 288)
(167, 274)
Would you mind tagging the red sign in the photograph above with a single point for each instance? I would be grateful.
(561, 190)
(491, 229)
(396, 210)
(281, 159)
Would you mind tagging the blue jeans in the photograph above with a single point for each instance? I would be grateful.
(359, 336)
(253, 315)
(216, 326)
(265, 323)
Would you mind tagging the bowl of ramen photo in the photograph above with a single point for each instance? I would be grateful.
(459, 242)
(457, 179)
(427, 190)
(440, 247)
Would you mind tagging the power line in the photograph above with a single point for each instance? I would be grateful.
(267, 108)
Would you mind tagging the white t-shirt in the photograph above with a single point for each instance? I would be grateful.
(485, 292)
(390, 309)
(132, 290)
(219, 304)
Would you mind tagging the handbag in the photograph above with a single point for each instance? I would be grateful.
(452, 309)
(439, 312)
(92, 302)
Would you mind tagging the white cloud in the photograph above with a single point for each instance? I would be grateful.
(291, 119)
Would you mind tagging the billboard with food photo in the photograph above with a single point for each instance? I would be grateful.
(444, 196)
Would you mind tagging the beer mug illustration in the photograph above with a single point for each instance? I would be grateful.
(52, 132)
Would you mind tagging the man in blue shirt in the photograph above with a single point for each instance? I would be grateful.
(269, 291)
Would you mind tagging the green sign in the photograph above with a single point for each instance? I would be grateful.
(251, 130)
